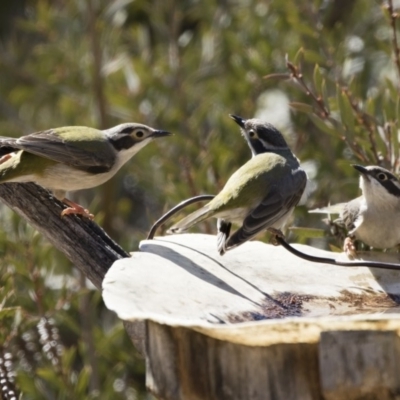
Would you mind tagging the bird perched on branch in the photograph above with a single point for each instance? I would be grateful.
(374, 217)
(261, 195)
(72, 158)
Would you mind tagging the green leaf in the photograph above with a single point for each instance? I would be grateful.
(277, 77)
(313, 57)
(299, 57)
(392, 88)
(302, 107)
(324, 93)
(346, 112)
(395, 137)
(370, 105)
(318, 79)
(83, 381)
(68, 357)
(47, 374)
(324, 125)
(9, 312)
(398, 108)
(26, 384)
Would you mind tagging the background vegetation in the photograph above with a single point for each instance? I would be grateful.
(326, 72)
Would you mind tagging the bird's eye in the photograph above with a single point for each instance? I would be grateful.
(252, 134)
(139, 134)
(382, 176)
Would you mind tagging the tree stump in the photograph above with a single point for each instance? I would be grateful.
(259, 323)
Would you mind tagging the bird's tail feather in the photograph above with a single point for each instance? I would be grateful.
(193, 218)
(224, 230)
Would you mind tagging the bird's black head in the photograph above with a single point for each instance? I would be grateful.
(375, 177)
(261, 136)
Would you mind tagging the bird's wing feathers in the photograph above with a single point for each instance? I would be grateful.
(87, 154)
(281, 199)
(7, 145)
(350, 214)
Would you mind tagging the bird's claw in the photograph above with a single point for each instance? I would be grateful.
(275, 234)
(73, 211)
(349, 248)
(76, 209)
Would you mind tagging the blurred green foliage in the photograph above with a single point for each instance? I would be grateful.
(332, 87)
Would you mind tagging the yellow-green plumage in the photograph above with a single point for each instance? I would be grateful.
(21, 164)
(78, 133)
(53, 155)
(260, 195)
(243, 186)
(72, 157)
(85, 136)
(242, 191)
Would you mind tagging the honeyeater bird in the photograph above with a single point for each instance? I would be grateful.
(374, 217)
(261, 195)
(72, 157)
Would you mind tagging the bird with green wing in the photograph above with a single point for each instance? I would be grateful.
(72, 157)
(261, 195)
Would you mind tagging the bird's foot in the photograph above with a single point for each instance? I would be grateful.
(75, 208)
(349, 248)
(275, 234)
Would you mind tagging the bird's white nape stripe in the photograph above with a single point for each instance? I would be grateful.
(269, 146)
(253, 151)
(361, 183)
(396, 183)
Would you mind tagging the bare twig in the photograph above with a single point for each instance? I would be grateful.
(393, 16)
(324, 112)
(387, 129)
(188, 175)
(318, 100)
(365, 120)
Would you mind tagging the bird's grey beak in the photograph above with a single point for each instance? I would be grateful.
(158, 134)
(239, 120)
(360, 169)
